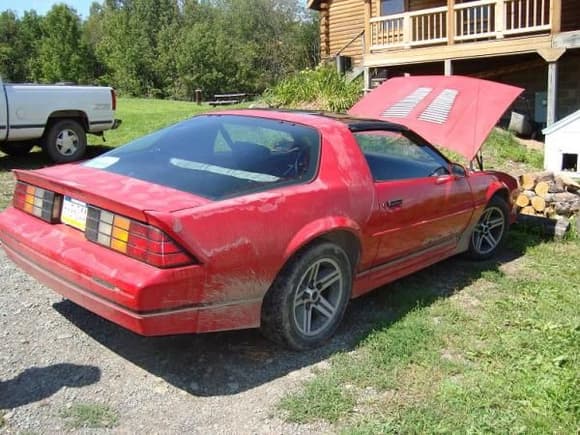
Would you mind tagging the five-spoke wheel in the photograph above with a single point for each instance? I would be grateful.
(490, 230)
(306, 303)
(318, 297)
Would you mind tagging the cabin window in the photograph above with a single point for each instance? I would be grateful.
(390, 7)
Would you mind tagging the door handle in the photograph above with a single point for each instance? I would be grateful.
(444, 179)
(393, 203)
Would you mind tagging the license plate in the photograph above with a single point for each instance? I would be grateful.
(74, 213)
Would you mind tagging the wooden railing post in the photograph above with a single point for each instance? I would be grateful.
(556, 15)
(450, 22)
(500, 11)
(407, 29)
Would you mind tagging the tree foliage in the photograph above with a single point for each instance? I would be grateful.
(162, 48)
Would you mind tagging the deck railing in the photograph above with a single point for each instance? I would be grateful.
(482, 19)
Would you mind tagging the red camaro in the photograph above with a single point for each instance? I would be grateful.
(250, 218)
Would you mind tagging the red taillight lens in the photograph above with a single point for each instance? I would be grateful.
(135, 239)
(38, 202)
(113, 100)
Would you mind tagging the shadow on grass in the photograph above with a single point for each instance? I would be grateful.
(230, 362)
(38, 159)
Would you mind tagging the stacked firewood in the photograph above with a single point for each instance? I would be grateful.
(549, 195)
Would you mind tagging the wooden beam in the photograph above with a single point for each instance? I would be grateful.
(324, 31)
(552, 93)
(503, 47)
(450, 21)
(367, 36)
(556, 15)
(567, 40)
(551, 54)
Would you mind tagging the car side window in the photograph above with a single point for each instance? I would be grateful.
(393, 156)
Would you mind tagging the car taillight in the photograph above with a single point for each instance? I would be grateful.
(135, 239)
(39, 202)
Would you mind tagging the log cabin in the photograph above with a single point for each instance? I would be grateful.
(534, 44)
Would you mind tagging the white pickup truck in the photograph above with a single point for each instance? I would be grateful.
(55, 117)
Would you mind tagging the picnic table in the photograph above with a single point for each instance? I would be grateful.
(225, 99)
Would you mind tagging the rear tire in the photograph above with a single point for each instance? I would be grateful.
(66, 141)
(16, 149)
(307, 301)
(491, 229)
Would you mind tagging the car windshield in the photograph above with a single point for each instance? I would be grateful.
(219, 156)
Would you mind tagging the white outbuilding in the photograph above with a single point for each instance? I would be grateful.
(562, 148)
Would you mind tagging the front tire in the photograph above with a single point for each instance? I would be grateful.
(16, 149)
(491, 229)
(66, 141)
(307, 301)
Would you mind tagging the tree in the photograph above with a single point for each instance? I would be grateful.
(63, 53)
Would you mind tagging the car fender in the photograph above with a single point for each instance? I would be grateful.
(319, 228)
(494, 188)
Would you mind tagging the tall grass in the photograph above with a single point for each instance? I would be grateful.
(322, 88)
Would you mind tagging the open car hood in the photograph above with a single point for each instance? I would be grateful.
(454, 112)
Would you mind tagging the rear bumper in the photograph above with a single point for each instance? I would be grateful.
(136, 296)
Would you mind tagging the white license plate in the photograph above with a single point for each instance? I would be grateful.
(74, 213)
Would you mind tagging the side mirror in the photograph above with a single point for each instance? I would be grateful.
(458, 170)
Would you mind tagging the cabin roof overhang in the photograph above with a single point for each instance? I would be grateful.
(314, 4)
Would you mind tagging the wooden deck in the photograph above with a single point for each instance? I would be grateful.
(459, 23)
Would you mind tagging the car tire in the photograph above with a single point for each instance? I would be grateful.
(66, 141)
(16, 149)
(307, 301)
(490, 231)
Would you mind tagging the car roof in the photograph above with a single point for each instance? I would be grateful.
(353, 123)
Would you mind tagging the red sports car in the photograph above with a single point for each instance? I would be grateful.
(250, 218)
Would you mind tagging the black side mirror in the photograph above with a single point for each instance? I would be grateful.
(457, 169)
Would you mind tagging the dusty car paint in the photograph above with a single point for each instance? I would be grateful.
(241, 244)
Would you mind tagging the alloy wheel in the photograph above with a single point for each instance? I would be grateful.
(489, 230)
(318, 297)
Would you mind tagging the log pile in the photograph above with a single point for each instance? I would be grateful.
(548, 201)
(548, 195)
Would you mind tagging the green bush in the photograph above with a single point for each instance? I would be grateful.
(322, 88)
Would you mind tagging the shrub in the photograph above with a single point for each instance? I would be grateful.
(322, 89)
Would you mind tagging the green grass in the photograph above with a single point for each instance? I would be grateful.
(141, 116)
(501, 150)
(90, 415)
(502, 146)
(500, 355)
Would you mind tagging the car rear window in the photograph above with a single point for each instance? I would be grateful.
(219, 156)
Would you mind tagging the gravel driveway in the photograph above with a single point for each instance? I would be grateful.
(55, 356)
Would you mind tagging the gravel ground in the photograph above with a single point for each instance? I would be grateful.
(55, 355)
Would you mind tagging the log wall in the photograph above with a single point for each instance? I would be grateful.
(346, 19)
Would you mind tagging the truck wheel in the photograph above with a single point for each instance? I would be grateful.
(66, 141)
(16, 148)
(307, 301)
